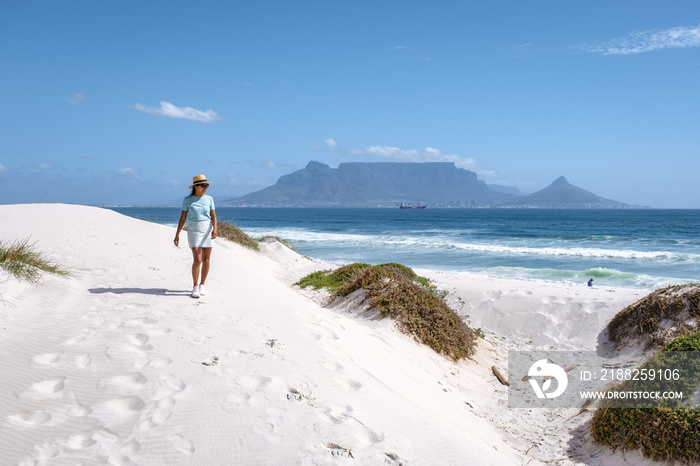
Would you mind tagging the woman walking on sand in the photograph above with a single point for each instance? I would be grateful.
(198, 210)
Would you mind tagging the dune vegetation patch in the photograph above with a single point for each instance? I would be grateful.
(658, 318)
(21, 260)
(671, 430)
(232, 233)
(413, 301)
(331, 280)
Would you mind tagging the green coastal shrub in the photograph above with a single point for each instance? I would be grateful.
(642, 321)
(331, 279)
(662, 434)
(231, 232)
(399, 293)
(668, 431)
(21, 260)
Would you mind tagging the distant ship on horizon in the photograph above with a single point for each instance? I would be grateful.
(412, 206)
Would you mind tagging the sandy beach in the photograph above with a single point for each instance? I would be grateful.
(119, 365)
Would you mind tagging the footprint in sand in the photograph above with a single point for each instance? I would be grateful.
(181, 444)
(30, 418)
(338, 451)
(338, 414)
(162, 412)
(348, 384)
(139, 340)
(130, 447)
(84, 335)
(202, 339)
(80, 361)
(294, 395)
(83, 361)
(211, 361)
(158, 331)
(149, 325)
(158, 362)
(121, 346)
(267, 430)
(126, 383)
(80, 441)
(332, 365)
(365, 437)
(46, 451)
(244, 397)
(170, 385)
(45, 390)
(142, 321)
(46, 359)
(235, 399)
(251, 382)
(118, 410)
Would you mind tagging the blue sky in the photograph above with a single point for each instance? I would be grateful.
(123, 102)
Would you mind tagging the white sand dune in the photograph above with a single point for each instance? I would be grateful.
(119, 365)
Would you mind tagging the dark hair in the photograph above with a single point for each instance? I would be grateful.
(193, 191)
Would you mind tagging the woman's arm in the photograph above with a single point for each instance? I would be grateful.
(180, 224)
(214, 233)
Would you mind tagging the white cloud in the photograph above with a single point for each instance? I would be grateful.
(128, 171)
(429, 154)
(647, 41)
(4, 169)
(188, 113)
(76, 98)
(46, 166)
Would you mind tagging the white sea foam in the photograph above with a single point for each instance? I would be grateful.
(443, 242)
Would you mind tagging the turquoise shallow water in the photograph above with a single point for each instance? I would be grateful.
(644, 248)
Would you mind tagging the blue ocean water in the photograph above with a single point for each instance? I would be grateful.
(644, 248)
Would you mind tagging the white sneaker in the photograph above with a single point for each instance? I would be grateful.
(202, 291)
(195, 292)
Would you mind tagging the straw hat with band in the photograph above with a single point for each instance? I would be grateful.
(199, 179)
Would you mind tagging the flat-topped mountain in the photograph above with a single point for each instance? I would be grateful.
(387, 184)
(376, 184)
(563, 195)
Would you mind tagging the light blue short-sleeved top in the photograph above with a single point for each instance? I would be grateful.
(198, 208)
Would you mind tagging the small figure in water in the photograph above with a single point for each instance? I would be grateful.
(590, 282)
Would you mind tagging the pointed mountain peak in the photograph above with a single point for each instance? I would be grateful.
(562, 194)
(561, 181)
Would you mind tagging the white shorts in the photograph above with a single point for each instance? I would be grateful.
(199, 234)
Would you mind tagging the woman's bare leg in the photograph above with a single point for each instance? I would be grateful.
(196, 264)
(206, 255)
